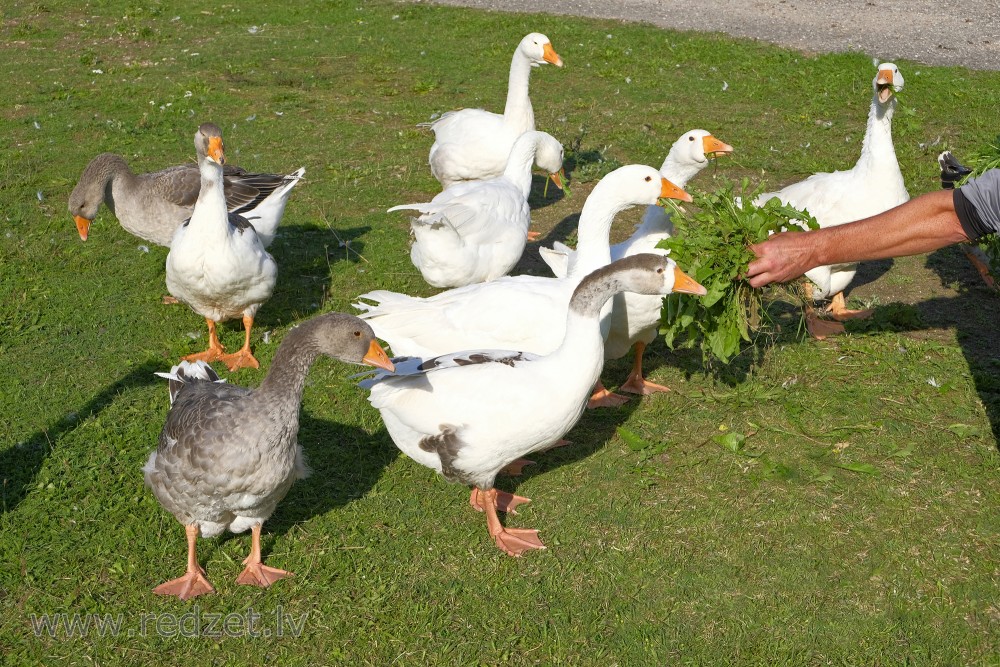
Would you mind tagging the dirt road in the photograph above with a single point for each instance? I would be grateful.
(934, 32)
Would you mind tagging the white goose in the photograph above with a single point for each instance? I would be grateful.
(152, 206)
(873, 185)
(514, 312)
(475, 231)
(453, 413)
(217, 264)
(635, 318)
(473, 144)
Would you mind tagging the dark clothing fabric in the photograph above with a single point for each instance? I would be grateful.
(977, 204)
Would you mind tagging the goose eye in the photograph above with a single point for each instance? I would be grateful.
(659, 270)
(649, 178)
(690, 138)
(357, 334)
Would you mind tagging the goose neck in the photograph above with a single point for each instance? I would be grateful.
(522, 155)
(282, 388)
(517, 112)
(877, 144)
(679, 172)
(593, 249)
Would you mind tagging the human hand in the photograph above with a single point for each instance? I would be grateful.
(781, 258)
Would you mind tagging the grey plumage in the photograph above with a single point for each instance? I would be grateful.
(228, 454)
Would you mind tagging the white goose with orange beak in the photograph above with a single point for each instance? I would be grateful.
(635, 318)
(873, 185)
(473, 144)
(217, 265)
(514, 312)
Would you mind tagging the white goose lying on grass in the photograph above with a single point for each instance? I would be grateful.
(635, 318)
(470, 414)
(873, 185)
(475, 231)
(227, 455)
(217, 264)
(152, 206)
(473, 144)
(514, 312)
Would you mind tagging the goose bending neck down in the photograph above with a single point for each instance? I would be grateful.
(152, 206)
(475, 231)
(227, 455)
(452, 413)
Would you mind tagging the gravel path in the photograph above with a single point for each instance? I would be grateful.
(934, 32)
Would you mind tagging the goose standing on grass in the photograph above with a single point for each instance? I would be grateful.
(217, 264)
(475, 231)
(454, 413)
(873, 185)
(473, 144)
(227, 455)
(514, 312)
(152, 206)
(635, 318)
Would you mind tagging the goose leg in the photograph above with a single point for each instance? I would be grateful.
(243, 358)
(840, 311)
(534, 236)
(256, 573)
(501, 500)
(193, 583)
(974, 255)
(512, 541)
(635, 383)
(215, 350)
(604, 398)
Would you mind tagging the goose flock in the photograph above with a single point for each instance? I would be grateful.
(489, 346)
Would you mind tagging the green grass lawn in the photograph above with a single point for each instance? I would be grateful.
(857, 523)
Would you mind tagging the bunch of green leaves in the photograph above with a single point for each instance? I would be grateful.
(981, 162)
(711, 243)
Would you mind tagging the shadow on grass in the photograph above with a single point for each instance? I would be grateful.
(974, 314)
(537, 197)
(344, 461)
(305, 256)
(20, 464)
(869, 272)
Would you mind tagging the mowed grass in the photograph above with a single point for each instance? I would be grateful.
(857, 523)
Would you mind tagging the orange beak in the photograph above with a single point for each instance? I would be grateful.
(557, 179)
(215, 150)
(884, 85)
(670, 191)
(713, 146)
(686, 284)
(82, 226)
(377, 357)
(549, 55)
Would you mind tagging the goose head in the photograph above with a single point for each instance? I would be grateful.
(697, 147)
(645, 273)
(349, 339)
(208, 144)
(887, 82)
(633, 185)
(549, 157)
(648, 273)
(537, 48)
(91, 190)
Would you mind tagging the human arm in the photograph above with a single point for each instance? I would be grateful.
(925, 223)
